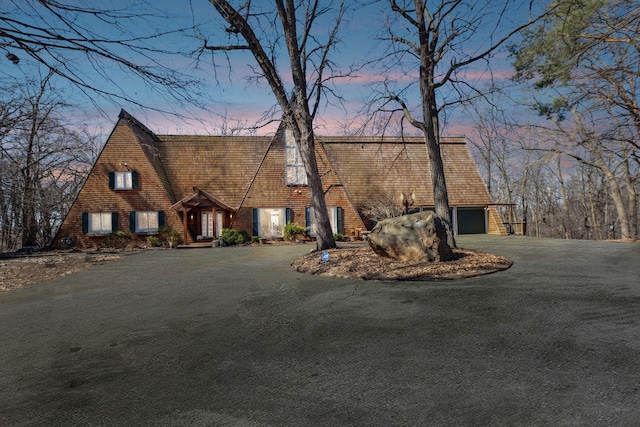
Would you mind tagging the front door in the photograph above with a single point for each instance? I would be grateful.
(206, 228)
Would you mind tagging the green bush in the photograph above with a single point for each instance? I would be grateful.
(338, 237)
(290, 230)
(231, 237)
(255, 239)
(173, 236)
(153, 241)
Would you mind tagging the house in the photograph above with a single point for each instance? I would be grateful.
(199, 185)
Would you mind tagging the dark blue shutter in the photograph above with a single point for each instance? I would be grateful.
(288, 215)
(114, 221)
(307, 218)
(85, 222)
(112, 180)
(134, 179)
(339, 219)
(160, 218)
(132, 222)
(256, 222)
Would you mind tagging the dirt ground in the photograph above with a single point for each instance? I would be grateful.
(17, 271)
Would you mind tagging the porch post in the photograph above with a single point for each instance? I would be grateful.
(184, 223)
(213, 221)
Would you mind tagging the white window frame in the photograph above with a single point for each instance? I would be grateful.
(295, 173)
(333, 220)
(100, 223)
(123, 180)
(143, 218)
(265, 216)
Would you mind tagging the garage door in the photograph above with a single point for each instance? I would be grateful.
(471, 221)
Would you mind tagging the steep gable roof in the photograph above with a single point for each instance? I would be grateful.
(387, 167)
(223, 166)
(149, 143)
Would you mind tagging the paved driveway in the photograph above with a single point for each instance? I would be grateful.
(233, 337)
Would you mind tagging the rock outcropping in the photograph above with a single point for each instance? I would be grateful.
(415, 237)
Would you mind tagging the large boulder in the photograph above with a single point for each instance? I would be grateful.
(416, 237)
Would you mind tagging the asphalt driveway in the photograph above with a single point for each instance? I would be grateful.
(234, 337)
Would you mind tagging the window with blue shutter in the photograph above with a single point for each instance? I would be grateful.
(132, 222)
(307, 219)
(256, 222)
(114, 221)
(145, 221)
(99, 222)
(134, 179)
(126, 180)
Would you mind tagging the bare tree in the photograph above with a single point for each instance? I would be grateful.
(84, 44)
(291, 28)
(434, 42)
(42, 165)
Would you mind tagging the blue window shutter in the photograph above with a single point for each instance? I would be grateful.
(256, 222)
(132, 222)
(112, 180)
(85, 222)
(288, 215)
(134, 179)
(160, 218)
(307, 218)
(114, 221)
(339, 219)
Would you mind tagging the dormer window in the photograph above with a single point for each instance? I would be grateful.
(296, 174)
(127, 180)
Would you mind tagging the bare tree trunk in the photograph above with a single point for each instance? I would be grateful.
(295, 109)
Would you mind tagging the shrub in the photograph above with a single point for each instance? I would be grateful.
(255, 239)
(338, 237)
(153, 241)
(231, 237)
(117, 239)
(290, 230)
(173, 236)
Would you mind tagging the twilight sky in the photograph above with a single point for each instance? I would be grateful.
(225, 91)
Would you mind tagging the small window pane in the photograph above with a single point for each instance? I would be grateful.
(295, 169)
(124, 180)
(146, 222)
(100, 222)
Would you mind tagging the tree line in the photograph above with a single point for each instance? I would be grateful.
(44, 160)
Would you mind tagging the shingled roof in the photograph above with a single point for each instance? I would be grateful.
(369, 167)
(221, 165)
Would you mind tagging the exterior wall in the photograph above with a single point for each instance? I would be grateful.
(121, 148)
(269, 190)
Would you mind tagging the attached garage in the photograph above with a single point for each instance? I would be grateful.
(471, 220)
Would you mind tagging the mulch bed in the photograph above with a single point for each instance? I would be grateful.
(362, 263)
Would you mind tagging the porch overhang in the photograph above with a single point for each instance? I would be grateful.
(200, 199)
